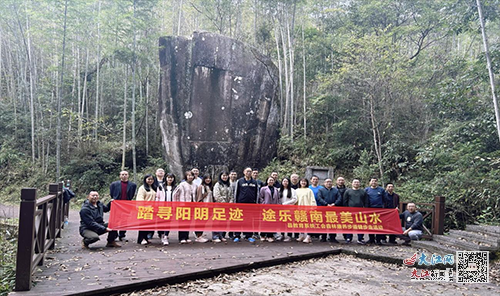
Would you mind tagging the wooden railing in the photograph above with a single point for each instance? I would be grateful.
(40, 223)
(433, 211)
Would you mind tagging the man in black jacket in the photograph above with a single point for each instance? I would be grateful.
(328, 196)
(414, 221)
(92, 223)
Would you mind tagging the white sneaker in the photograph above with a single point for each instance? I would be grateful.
(262, 239)
(301, 238)
(144, 242)
(164, 240)
(216, 240)
(223, 239)
(183, 241)
(307, 240)
(287, 239)
(201, 239)
(270, 239)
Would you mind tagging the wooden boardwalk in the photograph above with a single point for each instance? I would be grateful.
(69, 269)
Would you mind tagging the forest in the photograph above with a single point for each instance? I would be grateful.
(397, 89)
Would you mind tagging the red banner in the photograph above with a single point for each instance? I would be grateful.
(188, 216)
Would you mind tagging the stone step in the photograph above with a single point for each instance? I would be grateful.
(493, 241)
(487, 229)
(434, 247)
(462, 245)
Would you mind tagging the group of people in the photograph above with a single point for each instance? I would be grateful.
(248, 189)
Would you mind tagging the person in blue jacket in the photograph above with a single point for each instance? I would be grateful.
(328, 196)
(377, 198)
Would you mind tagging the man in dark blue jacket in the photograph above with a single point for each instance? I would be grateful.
(92, 223)
(328, 196)
(122, 190)
(377, 197)
(246, 192)
(414, 222)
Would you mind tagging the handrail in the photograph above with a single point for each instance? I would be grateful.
(40, 223)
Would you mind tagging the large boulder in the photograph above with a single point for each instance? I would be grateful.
(218, 103)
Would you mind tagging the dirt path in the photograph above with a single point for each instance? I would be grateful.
(335, 275)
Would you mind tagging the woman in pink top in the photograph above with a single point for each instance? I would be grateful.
(185, 192)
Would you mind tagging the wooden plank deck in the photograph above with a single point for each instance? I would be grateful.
(70, 270)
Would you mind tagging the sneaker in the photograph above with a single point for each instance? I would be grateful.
(301, 238)
(361, 242)
(383, 241)
(216, 240)
(223, 239)
(251, 239)
(149, 236)
(236, 239)
(287, 239)
(201, 239)
(84, 245)
(348, 241)
(307, 240)
(113, 245)
(123, 239)
(189, 241)
(164, 240)
(183, 242)
(270, 239)
(144, 242)
(262, 239)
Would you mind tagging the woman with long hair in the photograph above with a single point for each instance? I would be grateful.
(185, 192)
(147, 192)
(269, 195)
(222, 194)
(305, 197)
(204, 193)
(164, 193)
(288, 196)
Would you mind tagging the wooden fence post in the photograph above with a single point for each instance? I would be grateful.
(439, 210)
(54, 215)
(25, 240)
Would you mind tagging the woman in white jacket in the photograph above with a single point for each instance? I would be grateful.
(288, 196)
(147, 192)
(185, 192)
(222, 194)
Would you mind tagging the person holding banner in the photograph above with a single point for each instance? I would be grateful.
(305, 197)
(288, 197)
(222, 194)
(164, 193)
(246, 192)
(269, 195)
(355, 197)
(147, 192)
(328, 196)
(122, 190)
(92, 223)
(204, 193)
(185, 192)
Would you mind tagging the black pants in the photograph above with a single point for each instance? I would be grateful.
(360, 236)
(183, 235)
(246, 234)
(376, 237)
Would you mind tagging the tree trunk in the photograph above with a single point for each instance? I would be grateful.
(59, 98)
(376, 138)
(304, 86)
(276, 33)
(490, 70)
(134, 65)
(124, 143)
(96, 113)
(146, 111)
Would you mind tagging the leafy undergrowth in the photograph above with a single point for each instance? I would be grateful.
(8, 250)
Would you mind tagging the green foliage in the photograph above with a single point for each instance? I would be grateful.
(8, 251)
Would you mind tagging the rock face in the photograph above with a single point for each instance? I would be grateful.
(218, 103)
